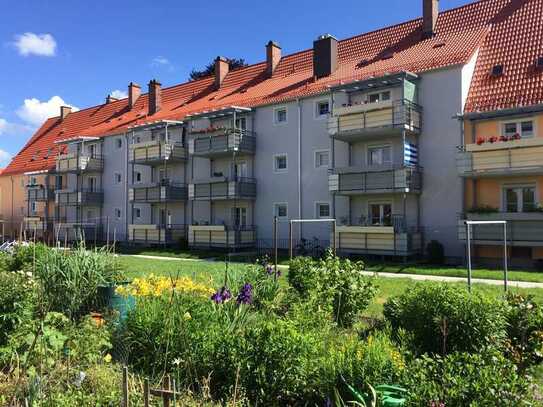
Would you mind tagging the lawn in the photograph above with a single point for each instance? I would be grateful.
(213, 272)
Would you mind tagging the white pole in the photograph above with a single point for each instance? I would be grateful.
(505, 256)
(468, 231)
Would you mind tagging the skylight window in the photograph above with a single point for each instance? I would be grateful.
(497, 70)
(539, 62)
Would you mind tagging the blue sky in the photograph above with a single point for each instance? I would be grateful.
(77, 52)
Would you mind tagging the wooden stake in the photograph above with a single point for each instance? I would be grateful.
(125, 387)
(166, 397)
(146, 393)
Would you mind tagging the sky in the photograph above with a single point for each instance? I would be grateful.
(60, 52)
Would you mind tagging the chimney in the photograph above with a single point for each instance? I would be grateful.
(324, 56)
(65, 111)
(134, 92)
(430, 12)
(221, 70)
(273, 56)
(110, 99)
(155, 97)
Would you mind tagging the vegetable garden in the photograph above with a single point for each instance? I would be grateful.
(70, 321)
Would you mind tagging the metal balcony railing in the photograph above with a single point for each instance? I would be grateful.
(39, 193)
(164, 191)
(81, 197)
(375, 180)
(157, 151)
(221, 236)
(157, 233)
(77, 163)
(225, 188)
(240, 141)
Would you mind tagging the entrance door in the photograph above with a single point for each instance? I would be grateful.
(380, 214)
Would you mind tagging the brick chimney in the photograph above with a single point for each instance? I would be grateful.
(155, 96)
(221, 70)
(430, 12)
(134, 92)
(324, 56)
(273, 56)
(65, 111)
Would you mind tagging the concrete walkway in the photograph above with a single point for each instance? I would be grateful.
(418, 277)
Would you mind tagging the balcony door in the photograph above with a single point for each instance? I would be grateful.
(92, 184)
(519, 199)
(239, 216)
(165, 218)
(240, 169)
(380, 214)
(92, 150)
(379, 156)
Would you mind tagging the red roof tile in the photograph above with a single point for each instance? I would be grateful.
(504, 30)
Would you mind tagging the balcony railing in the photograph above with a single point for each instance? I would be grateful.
(352, 180)
(156, 152)
(82, 197)
(360, 122)
(156, 234)
(164, 191)
(223, 188)
(224, 143)
(39, 193)
(77, 232)
(36, 223)
(79, 163)
(221, 236)
(521, 157)
(523, 229)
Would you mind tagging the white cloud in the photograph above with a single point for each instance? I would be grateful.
(5, 157)
(35, 44)
(119, 94)
(35, 112)
(15, 129)
(162, 62)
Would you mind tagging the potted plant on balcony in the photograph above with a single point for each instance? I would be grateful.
(480, 141)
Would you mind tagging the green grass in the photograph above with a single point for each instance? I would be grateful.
(213, 273)
(514, 275)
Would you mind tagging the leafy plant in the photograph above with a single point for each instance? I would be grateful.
(16, 301)
(483, 210)
(443, 319)
(303, 274)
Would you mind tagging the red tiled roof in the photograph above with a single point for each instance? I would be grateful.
(488, 25)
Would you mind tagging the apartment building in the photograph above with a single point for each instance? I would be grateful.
(379, 131)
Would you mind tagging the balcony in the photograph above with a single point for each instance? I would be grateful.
(221, 236)
(35, 223)
(377, 180)
(516, 157)
(224, 142)
(164, 191)
(375, 120)
(75, 198)
(223, 188)
(39, 193)
(77, 232)
(156, 234)
(523, 229)
(156, 152)
(78, 163)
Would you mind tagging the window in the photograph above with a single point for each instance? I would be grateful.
(241, 123)
(322, 159)
(280, 210)
(280, 115)
(379, 155)
(137, 177)
(240, 170)
(380, 214)
(118, 213)
(33, 207)
(91, 184)
(379, 97)
(239, 216)
(58, 182)
(280, 163)
(92, 150)
(523, 128)
(322, 108)
(118, 178)
(90, 215)
(322, 210)
(519, 199)
(33, 181)
(137, 213)
(119, 143)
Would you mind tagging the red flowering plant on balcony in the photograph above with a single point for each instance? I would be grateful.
(492, 139)
(516, 136)
(480, 141)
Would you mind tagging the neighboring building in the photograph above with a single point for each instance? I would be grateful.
(364, 130)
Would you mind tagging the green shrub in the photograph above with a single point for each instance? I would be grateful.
(435, 253)
(442, 318)
(303, 275)
(16, 302)
(463, 379)
(25, 256)
(524, 330)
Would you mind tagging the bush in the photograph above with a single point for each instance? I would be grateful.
(435, 252)
(524, 330)
(303, 275)
(463, 379)
(16, 295)
(443, 318)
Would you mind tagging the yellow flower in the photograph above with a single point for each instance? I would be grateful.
(187, 316)
(107, 358)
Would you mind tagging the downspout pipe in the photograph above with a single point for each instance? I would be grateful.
(299, 102)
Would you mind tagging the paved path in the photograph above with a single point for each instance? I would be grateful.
(418, 277)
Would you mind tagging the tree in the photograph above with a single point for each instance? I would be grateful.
(233, 63)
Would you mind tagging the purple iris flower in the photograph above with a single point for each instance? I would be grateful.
(222, 295)
(245, 295)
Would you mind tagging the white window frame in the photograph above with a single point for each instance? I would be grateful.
(316, 154)
(374, 146)
(378, 202)
(275, 111)
(317, 211)
(136, 177)
(280, 170)
(275, 211)
(318, 116)
(380, 95)
(518, 122)
(505, 187)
